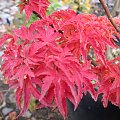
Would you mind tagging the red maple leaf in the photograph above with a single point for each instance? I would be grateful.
(37, 6)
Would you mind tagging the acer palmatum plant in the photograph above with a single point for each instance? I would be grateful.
(50, 60)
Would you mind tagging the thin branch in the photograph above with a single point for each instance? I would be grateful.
(109, 15)
(37, 14)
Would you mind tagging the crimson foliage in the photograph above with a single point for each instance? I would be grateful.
(49, 59)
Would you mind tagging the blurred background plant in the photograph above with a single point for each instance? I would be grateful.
(82, 6)
(55, 5)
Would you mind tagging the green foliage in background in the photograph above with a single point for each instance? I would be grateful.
(78, 5)
(55, 5)
(32, 19)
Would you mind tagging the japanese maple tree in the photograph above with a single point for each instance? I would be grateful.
(50, 59)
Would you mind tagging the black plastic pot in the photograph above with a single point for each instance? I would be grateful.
(88, 109)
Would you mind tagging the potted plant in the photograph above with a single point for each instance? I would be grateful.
(50, 60)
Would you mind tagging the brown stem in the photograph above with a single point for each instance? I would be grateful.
(37, 14)
(109, 15)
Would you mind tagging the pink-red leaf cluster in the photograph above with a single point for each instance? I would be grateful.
(49, 59)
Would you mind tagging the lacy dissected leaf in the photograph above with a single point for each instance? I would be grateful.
(37, 6)
(4, 39)
(82, 32)
(23, 94)
(64, 69)
(109, 82)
